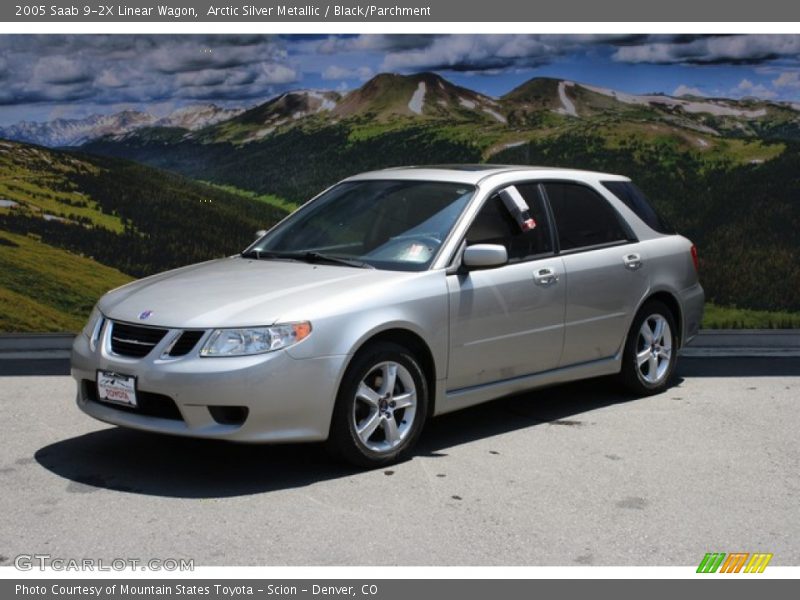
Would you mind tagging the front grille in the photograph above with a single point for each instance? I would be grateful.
(135, 341)
(187, 340)
(148, 404)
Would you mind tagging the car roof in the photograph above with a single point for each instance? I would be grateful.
(475, 174)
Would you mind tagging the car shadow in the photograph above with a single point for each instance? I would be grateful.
(740, 366)
(151, 464)
(144, 463)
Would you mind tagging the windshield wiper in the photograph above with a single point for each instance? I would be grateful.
(338, 260)
(310, 256)
(266, 254)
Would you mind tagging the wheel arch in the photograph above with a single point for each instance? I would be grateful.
(415, 344)
(674, 306)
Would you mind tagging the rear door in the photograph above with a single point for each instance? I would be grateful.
(507, 321)
(606, 271)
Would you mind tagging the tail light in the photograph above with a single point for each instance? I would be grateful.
(694, 257)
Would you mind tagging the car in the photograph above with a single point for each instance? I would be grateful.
(392, 297)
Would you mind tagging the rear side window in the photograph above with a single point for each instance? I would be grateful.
(583, 217)
(495, 225)
(634, 199)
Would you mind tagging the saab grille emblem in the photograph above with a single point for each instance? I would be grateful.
(145, 314)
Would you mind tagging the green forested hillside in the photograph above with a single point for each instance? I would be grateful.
(299, 162)
(134, 218)
(43, 288)
(73, 226)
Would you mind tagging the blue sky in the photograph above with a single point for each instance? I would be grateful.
(63, 76)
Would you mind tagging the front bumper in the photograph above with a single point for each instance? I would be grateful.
(286, 399)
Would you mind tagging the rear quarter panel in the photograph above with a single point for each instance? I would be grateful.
(672, 270)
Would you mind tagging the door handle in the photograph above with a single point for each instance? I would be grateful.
(632, 261)
(545, 277)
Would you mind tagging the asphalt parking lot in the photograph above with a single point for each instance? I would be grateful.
(574, 475)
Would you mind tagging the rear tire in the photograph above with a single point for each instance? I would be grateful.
(380, 408)
(651, 350)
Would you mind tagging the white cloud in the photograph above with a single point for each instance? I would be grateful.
(335, 72)
(787, 79)
(275, 73)
(745, 85)
(110, 79)
(106, 70)
(478, 52)
(189, 55)
(685, 90)
(60, 70)
(201, 78)
(235, 77)
(230, 78)
(737, 49)
(465, 53)
(756, 90)
(371, 43)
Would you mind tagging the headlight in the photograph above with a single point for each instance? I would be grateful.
(93, 326)
(254, 340)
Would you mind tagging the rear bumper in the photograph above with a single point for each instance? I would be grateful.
(692, 303)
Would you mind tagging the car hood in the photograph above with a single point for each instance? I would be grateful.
(234, 292)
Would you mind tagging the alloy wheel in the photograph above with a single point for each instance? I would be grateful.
(654, 349)
(385, 407)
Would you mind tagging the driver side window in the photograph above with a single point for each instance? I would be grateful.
(494, 224)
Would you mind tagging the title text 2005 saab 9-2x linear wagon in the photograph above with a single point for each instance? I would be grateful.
(394, 296)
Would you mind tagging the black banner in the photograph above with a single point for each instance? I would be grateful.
(401, 11)
(389, 589)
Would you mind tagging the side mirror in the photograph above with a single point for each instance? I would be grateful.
(261, 233)
(481, 256)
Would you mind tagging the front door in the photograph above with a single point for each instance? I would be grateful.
(507, 321)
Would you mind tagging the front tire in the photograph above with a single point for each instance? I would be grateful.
(380, 408)
(651, 350)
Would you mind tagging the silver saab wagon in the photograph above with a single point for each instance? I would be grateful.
(392, 297)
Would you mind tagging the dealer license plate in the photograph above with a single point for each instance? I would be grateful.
(114, 387)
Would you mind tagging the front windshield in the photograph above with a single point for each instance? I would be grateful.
(396, 225)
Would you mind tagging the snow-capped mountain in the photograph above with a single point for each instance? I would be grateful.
(429, 95)
(426, 97)
(197, 117)
(261, 120)
(75, 132)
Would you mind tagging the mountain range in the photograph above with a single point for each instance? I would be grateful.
(304, 140)
(74, 132)
(426, 97)
(723, 171)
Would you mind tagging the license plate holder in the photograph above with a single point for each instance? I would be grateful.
(116, 388)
